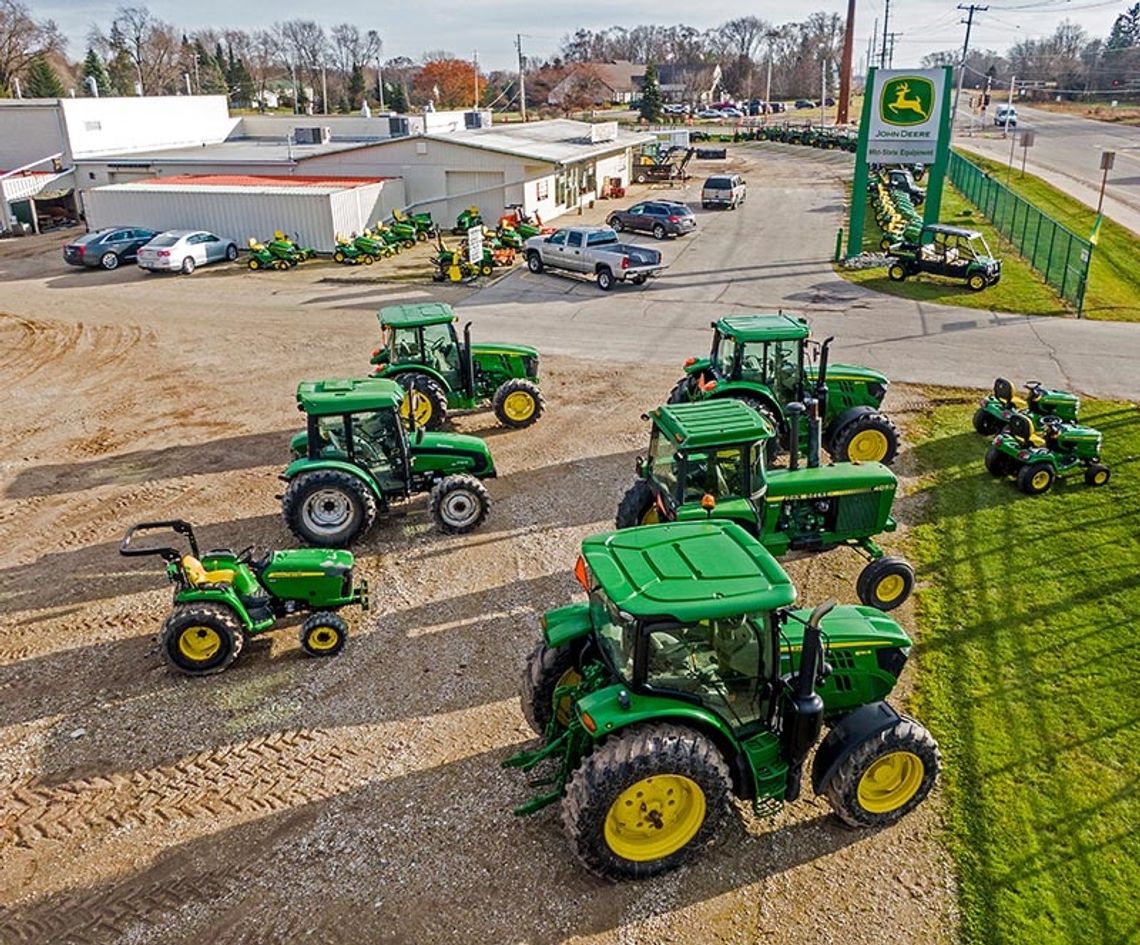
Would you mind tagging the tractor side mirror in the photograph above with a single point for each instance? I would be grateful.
(639, 465)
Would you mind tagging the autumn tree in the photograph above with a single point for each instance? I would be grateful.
(22, 40)
(449, 83)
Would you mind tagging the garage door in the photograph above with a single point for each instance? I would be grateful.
(485, 189)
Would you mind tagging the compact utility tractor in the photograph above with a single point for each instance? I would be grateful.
(1039, 402)
(707, 460)
(356, 459)
(220, 597)
(687, 677)
(444, 372)
(764, 360)
(1036, 461)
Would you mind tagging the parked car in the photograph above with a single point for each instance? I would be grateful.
(107, 247)
(777, 107)
(805, 103)
(732, 112)
(660, 217)
(185, 250)
(723, 190)
(710, 113)
(828, 102)
(595, 251)
(1004, 114)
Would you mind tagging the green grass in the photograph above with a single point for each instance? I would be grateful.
(1113, 291)
(1029, 676)
(1021, 290)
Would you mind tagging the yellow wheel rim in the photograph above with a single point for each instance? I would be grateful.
(519, 406)
(890, 782)
(1040, 479)
(890, 588)
(421, 405)
(1100, 478)
(655, 817)
(652, 516)
(199, 643)
(868, 446)
(562, 711)
(322, 639)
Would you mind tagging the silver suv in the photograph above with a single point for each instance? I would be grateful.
(723, 190)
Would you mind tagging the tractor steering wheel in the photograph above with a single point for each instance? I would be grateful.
(1032, 385)
(245, 556)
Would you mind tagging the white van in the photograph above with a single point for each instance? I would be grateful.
(1004, 113)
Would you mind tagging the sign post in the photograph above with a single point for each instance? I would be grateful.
(1027, 138)
(1107, 160)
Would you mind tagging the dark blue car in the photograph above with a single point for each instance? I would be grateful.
(107, 247)
(660, 217)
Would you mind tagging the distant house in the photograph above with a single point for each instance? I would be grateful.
(698, 83)
(600, 82)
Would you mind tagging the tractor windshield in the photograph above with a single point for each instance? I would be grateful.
(379, 443)
(617, 634)
(720, 473)
(724, 355)
(663, 462)
(776, 364)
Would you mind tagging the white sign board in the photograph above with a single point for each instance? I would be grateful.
(906, 116)
(475, 244)
(603, 131)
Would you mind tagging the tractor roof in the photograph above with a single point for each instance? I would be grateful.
(687, 571)
(951, 230)
(763, 327)
(354, 395)
(412, 316)
(711, 423)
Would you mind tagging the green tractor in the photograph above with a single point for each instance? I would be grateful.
(707, 460)
(441, 372)
(995, 410)
(356, 458)
(1037, 461)
(686, 677)
(764, 361)
(221, 597)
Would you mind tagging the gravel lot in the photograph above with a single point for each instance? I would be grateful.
(359, 799)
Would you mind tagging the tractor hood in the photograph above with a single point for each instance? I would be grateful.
(449, 453)
(496, 348)
(810, 482)
(850, 626)
(850, 373)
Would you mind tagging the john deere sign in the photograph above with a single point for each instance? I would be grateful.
(906, 121)
(907, 100)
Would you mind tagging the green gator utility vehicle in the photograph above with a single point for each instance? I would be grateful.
(1037, 461)
(707, 460)
(1039, 402)
(355, 459)
(687, 676)
(441, 372)
(761, 359)
(220, 597)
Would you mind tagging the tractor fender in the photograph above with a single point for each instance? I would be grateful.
(304, 465)
(840, 421)
(565, 624)
(222, 594)
(846, 736)
(697, 365)
(395, 372)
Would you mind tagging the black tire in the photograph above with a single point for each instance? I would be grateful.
(200, 639)
(109, 261)
(1035, 478)
(616, 225)
(659, 232)
(510, 414)
(366, 258)
(977, 282)
(329, 508)
(640, 178)
(986, 423)
(622, 762)
(853, 432)
(896, 272)
(254, 264)
(1097, 474)
(231, 252)
(426, 387)
(187, 266)
(681, 390)
(324, 634)
(605, 280)
(459, 504)
(885, 583)
(546, 669)
(998, 464)
(485, 269)
(638, 506)
(534, 261)
(904, 737)
(421, 236)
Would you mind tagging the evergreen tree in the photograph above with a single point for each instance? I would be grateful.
(210, 77)
(395, 97)
(651, 95)
(356, 86)
(93, 68)
(42, 81)
(242, 88)
(1126, 30)
(121, 73)
(343, 106)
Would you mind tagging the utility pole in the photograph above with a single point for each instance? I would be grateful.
(772, 34)
(969, 21)
(886, 21)
(476, 80)
(822, 93)
(324, 88)
(522, 76)
(874, 43)
(891, 55)
(845, 66)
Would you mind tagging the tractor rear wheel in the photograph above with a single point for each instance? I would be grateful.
(986, 423)
(886, 776)
(998, 464)
(885, 583)
(1097, 474)
(425, 398)
(201, 638)
(681, 391)
(773, 445)
(459, 504)
(1035, 478)
(328, 507)
(870, 437)
(338, 256)
(323, 634)
(646, 801)
(547, 669)
(518, 403)
(638, 506)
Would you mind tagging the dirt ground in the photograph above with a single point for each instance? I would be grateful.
(358, 799)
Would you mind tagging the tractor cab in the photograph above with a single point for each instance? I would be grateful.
(424, 335)
(763, 349)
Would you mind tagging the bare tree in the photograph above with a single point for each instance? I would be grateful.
(22, 39)
(304, 47)
(151, 47)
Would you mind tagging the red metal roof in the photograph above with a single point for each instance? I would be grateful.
(255, 180)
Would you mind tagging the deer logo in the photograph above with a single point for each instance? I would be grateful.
(907, 100)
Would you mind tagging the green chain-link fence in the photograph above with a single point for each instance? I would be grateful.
(1055, 252)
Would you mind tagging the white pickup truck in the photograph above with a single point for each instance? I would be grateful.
(595, 251)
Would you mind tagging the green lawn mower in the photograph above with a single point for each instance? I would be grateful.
(443, 372)
(261, 258)
(356, 459)
(765, 361)
(686, 678)
(284, 247)
(471, 217)
(421, 222)
(1036, 462)
(707, 460)
(221, 597)
(348, 253)
(1039, 402)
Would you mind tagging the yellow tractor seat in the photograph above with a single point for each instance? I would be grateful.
(196, 574)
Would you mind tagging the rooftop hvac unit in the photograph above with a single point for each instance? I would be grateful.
(311, 135)
(398, 127)
(475, 120)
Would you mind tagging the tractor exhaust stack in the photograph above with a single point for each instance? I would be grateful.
(813, 445)
(795, 420)
(803, 717)
(821, 378)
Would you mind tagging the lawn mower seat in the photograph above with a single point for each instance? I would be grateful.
(1003, 391)
(198, 575)
(1021, 429)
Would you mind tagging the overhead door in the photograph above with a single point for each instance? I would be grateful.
(484, 189)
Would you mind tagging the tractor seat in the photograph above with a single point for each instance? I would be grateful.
(198, 575)
(1021, 429)
(1003, 391)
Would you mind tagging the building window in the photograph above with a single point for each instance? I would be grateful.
(542, 190)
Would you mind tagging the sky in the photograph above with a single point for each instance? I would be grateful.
(490, 26)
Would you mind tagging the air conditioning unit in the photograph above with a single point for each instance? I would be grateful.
(398, 127)
(475, 120)
(317, 135)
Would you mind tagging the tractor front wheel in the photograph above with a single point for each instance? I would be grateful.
(425, 399)
(638, 506)
(1035, 478)
(328, 507)
(886, 776)
(998, 464)
(201, 639)
(885, 583)
(977, 282)
(986, 423)
(323, 634)
(1097, 474)
(459, 504)
(518, 403)
(548, 669)
(646, 801)
(870, 437)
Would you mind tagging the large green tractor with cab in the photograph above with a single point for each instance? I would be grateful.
(708, 460)
(444, 372)
(766, 361)
(355, 459)
(686, 677)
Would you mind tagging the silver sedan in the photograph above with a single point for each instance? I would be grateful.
(185, 250)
